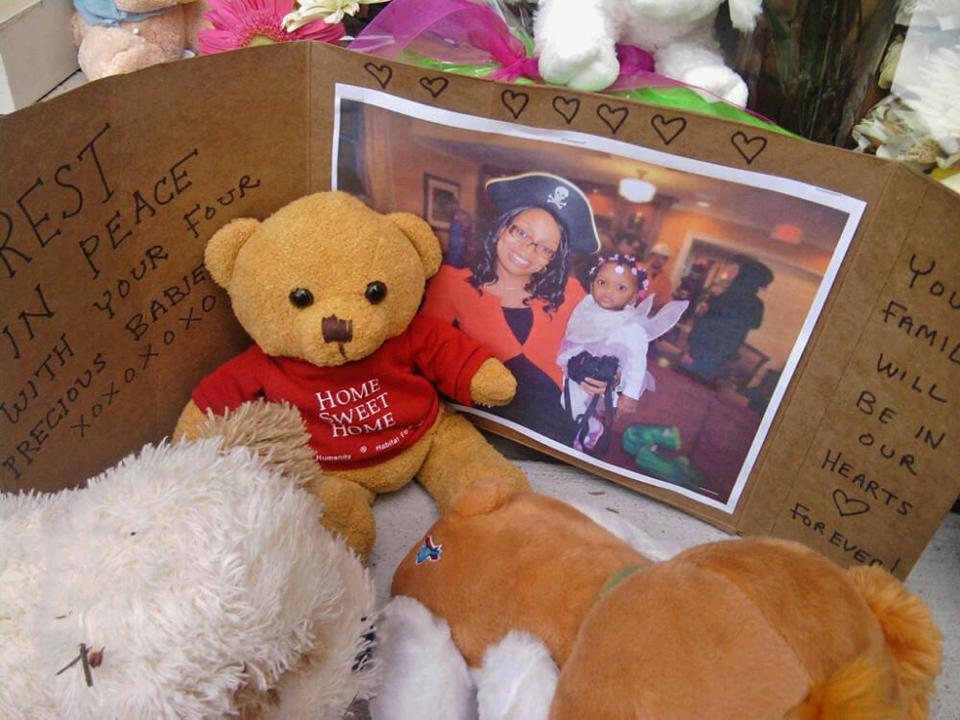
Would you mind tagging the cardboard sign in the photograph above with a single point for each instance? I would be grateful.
(108, 318)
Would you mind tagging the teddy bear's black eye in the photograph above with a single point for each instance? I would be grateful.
(376, 292)
(301, 297)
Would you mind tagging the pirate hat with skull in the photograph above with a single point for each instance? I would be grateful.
(560, 197)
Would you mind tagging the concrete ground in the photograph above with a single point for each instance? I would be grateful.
(403, 517)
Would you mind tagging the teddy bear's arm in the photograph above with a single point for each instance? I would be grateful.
(493, 384)
(235, 382)
(459, 366)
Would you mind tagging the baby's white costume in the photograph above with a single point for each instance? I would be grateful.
(626, 334)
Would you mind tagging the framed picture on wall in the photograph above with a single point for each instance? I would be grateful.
(441, 198)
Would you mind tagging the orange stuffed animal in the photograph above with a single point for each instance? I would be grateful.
(755, 628)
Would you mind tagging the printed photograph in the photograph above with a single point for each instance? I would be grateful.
(651, 307)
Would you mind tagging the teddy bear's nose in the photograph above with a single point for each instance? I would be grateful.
(336, 330)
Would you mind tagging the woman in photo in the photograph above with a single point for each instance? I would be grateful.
(518, 294)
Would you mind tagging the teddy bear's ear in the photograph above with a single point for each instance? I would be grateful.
(480, 497)
(420, 234)
(744, 13)
(223, 247)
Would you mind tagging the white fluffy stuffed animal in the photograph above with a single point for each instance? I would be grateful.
(575, 41)
(195, 582)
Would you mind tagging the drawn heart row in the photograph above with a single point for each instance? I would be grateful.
(613, 117)
(668, 130)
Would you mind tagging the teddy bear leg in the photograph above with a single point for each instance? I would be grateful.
(189, 422)
(106, 50)
(458, 456)
(347, 512)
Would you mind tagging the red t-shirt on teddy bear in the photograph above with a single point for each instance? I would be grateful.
(364, 411)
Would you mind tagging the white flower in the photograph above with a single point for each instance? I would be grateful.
(331, 11)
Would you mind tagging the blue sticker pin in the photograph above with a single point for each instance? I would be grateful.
(429, 551)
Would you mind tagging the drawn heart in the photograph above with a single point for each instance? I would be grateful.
(381, 73)
(848, 506)
(612, 117)
(668, 130)
(567, 108)
(434, 85)
(749, 148)
(515, 102)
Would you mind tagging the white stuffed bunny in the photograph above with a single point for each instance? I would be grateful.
(575, 41)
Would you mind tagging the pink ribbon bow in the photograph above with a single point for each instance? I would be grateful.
(461, 31)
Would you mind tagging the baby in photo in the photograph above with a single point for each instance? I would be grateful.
(604, 348)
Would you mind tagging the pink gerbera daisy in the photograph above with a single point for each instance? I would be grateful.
(244, 23)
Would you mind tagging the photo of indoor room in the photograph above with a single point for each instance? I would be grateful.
(703, 230)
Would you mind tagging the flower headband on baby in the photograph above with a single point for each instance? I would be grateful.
(625, 264)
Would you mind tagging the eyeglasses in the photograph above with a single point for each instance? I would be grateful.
(521, 237)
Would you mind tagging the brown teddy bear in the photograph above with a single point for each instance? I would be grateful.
(329, 289)
(754, 628)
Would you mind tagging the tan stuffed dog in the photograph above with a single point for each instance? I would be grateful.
(329, 289)
(755, 628)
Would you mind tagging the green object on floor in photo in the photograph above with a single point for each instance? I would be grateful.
(637, 436)
(646, 443)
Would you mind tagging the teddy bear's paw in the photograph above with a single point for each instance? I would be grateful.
(493, 385)
(517, 680)
(719, 80)
(423, 673)
(589, 68)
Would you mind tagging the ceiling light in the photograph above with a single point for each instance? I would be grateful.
(789, 234)
(637, 191)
